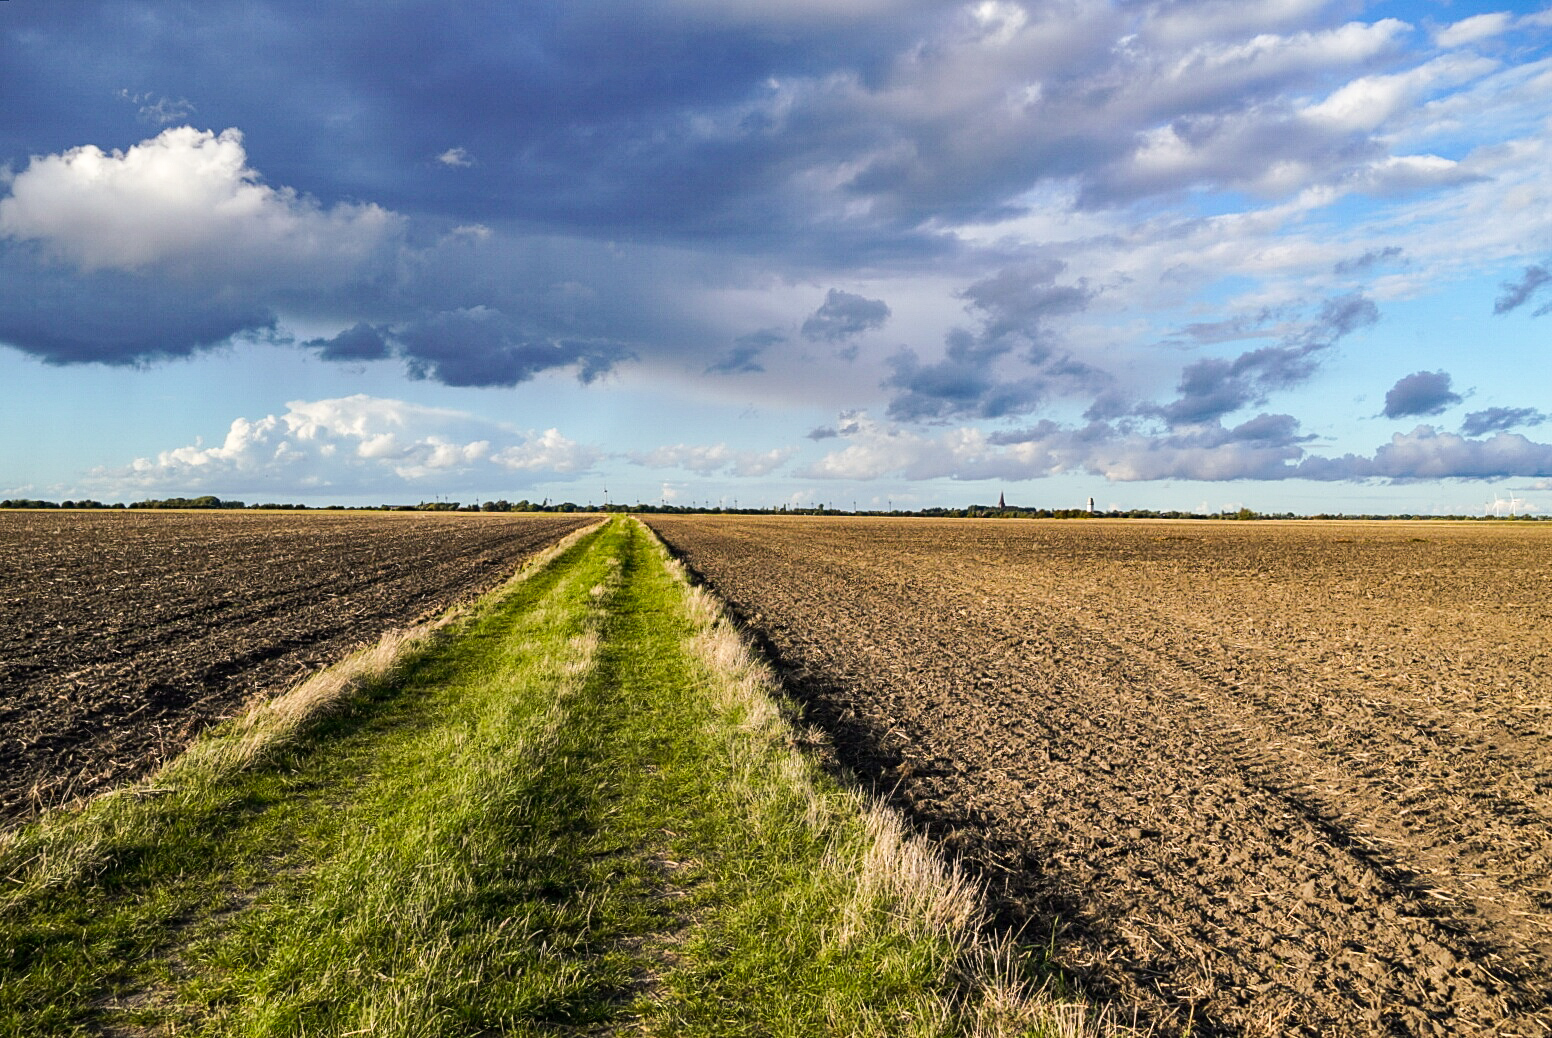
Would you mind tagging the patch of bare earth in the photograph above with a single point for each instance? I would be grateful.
(124, 634)
(1272, 779)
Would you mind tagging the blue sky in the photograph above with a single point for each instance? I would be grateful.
(1175, 254)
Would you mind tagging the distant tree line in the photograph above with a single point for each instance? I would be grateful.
(969, 512)
(24, 502)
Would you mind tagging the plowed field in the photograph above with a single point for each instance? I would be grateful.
(122, 634)
(1270, 778)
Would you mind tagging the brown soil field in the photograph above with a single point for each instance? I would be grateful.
(1265, 778)
(124, 634)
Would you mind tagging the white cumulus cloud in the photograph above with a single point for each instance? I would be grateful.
(356, 444)
(185, 200)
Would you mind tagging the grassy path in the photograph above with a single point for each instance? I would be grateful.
(576, 810)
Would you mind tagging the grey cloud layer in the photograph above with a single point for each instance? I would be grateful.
(1268, 447)
(485, 194)
(828, 128)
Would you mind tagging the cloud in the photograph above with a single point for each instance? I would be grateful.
(112, 317)
(361, 341)
(963, 383)
(1241, 326)
(1019, 299)
(159, 110)
(1339, 318)
(1080, 178)
(714, 460)
(1426, 453)
(742, 357)
(549, 452)
(1365, 104)
(475, 346)
(1421, 393)
(1214, 387)
(353, 445)
(185, 202)
(1368, 260)
(1262, 448)
(1268, 447)
(849, 423)
(480, 346)
(844, 315)
(1518, 293)
(1495, 419)
(1471, 30)
(980, 374)
(170, 247)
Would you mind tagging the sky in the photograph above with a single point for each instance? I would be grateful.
(1290, 255)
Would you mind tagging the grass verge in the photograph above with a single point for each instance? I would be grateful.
(577, 809)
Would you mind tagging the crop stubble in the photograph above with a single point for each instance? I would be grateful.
(1273, 778)
(123, 634)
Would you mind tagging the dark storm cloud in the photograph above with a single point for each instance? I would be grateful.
(589, 116)
(359, 342)
(1498, 419)
(1517, 293)
(811, 137)
(843, 315)
(112, 317)
(482, 347)
(476, 346)
(692, 120)
(1421, 393)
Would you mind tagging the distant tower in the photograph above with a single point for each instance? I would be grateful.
(1091, 506)
(1001, 502)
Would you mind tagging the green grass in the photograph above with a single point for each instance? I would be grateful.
(577, 808)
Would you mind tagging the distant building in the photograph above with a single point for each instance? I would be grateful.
(1001, 503)
(1091, 506)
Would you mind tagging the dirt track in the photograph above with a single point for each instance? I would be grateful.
(122, 634)
(1271, 778)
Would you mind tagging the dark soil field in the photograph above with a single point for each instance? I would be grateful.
(123, 634)
(1268, 779)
